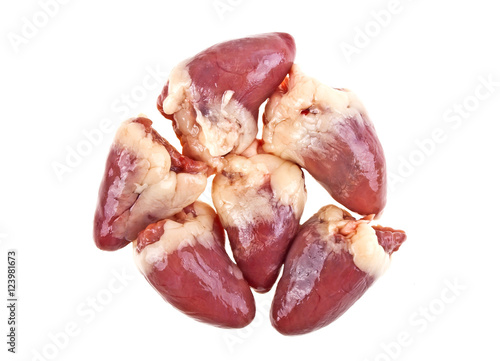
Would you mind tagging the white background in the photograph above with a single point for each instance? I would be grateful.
(414, 72)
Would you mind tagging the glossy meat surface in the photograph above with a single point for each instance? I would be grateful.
(327, 131)
(145, 180)
(213, 98)
(330, 265)
(183, 258)
(260, 201)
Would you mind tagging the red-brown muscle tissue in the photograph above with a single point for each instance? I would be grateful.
(145, 180)
(260, 200)
(333, 260)
(327, 131)
(183, 258)
(213, 98)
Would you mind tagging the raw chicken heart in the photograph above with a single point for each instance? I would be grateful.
(213, 98)
(260, 200)
(183, 258)
(145, 180)
(328, 132)
(333, 260)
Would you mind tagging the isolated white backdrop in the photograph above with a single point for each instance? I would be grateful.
(70, 68)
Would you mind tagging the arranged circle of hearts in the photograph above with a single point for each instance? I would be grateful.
(148, 195)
